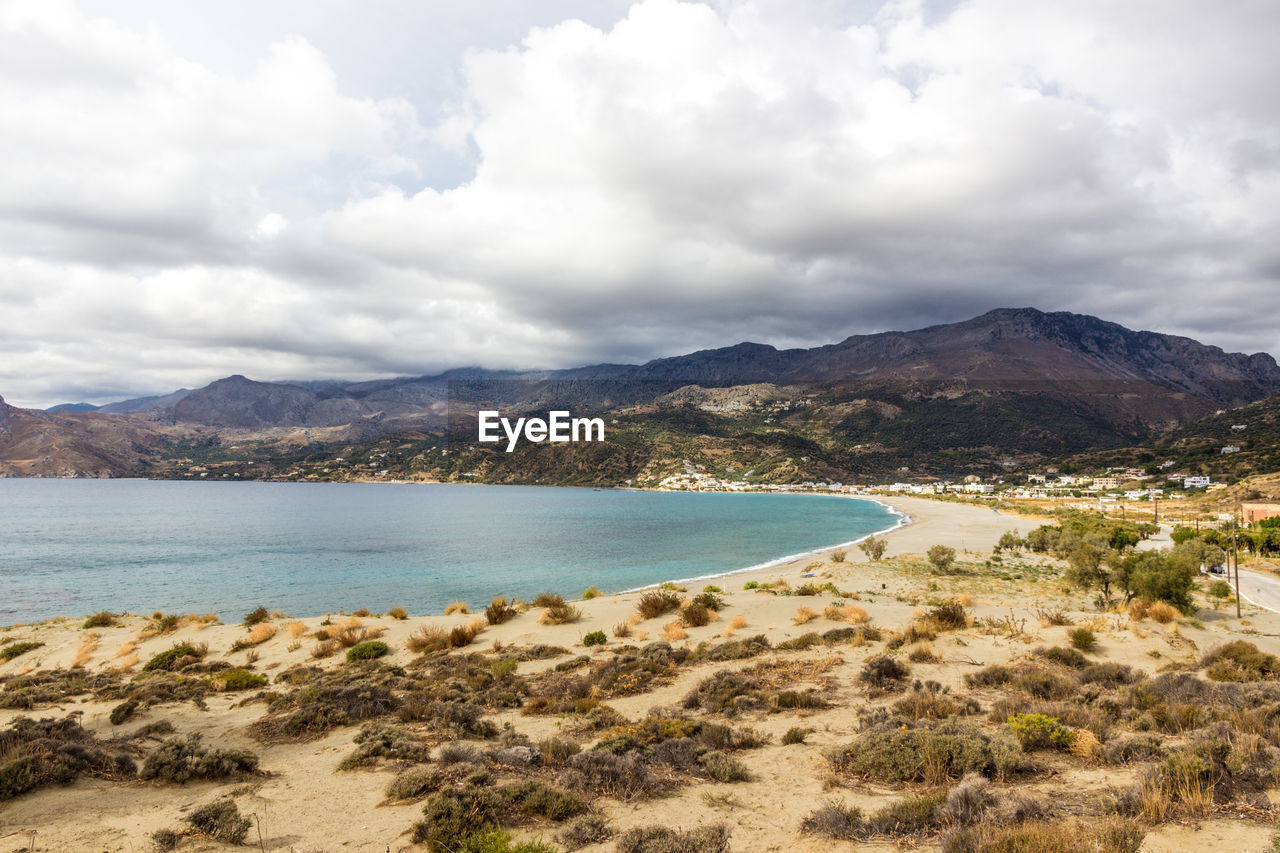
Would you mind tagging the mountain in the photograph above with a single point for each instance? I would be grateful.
(72, 407)
(144, 404)
(74, 444)
(979, 396)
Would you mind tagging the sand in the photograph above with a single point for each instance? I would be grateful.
(306, 804)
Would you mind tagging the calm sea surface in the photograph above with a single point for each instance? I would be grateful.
(72, 547)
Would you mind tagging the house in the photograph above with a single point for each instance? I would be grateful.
(1230, 448)
(1252, 512)
(1106, 482)
(1195, 482)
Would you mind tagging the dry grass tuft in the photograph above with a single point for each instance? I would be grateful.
(129, 647)
(964, 600)
(622, 630)
(738, 622)
(1138, 609)
(560, 613)
(87, 648)
(297, 629)
(673, 631)
(326, 648)
(128, 662)
(428, 638)
(850, 613)
(456, 607)
(1162, 613)
(398, 612)
(259, 635)
(804, 615)
(641, 636)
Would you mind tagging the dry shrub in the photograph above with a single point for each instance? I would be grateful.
(695, 615)
(1162, 613)
(560, 614)
(1085, 745)
(923, 653)
(738, 622)
(86, 650)
(463, 635)
(326, 648)
(621, 630)
(641, 636)
(456, 607)
(657, 602)
(398, 612)
(1109, 835)
(964, 600)
(428, 638)
(259, 635)
(297, 629)
(804, 615)
(499, 611)
(1138, 609)
(673, 631)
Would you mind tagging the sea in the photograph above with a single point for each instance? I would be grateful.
(74, 547)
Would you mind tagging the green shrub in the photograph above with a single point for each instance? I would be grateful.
(1039, 731)
(237, 679)
(368, 650)
(709, 599)
(537, 798)
(1082, 639)
(102, 619)
(500, 841)
(164, 661)
(375, 741)
(11, 651)
(590, 593)
(948, 750)
(725, 768)
(1241, 661)
(124, 711)
(713, 588)
(941, 557)
(794, 735)
(839, 556)
(454, 814)
(595, 638)
(181, 760)
(874, 548)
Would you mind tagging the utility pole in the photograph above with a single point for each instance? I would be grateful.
(1235, 555)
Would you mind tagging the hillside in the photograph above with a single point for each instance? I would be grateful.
(1001, 390)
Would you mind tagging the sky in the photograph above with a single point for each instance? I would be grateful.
(307, 189)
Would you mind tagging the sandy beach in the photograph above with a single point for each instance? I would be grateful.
(520, 678)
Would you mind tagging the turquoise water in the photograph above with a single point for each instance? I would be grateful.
(72, 547)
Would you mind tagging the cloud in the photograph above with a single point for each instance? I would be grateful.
(690, 175)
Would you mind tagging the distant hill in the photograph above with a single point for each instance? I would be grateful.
(72, 407)
(980, 396)
(73, 444)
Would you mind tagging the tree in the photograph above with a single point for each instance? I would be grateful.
(1009, 541)
(1167, 576)
(942, 557)
(1182, 534)
(1085, 569)
(874, 548)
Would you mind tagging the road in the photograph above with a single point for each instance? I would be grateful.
(1260, 590)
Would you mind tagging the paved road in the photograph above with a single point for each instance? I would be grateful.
(1260, 590)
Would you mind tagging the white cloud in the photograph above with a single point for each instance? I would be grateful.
(690, 176)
